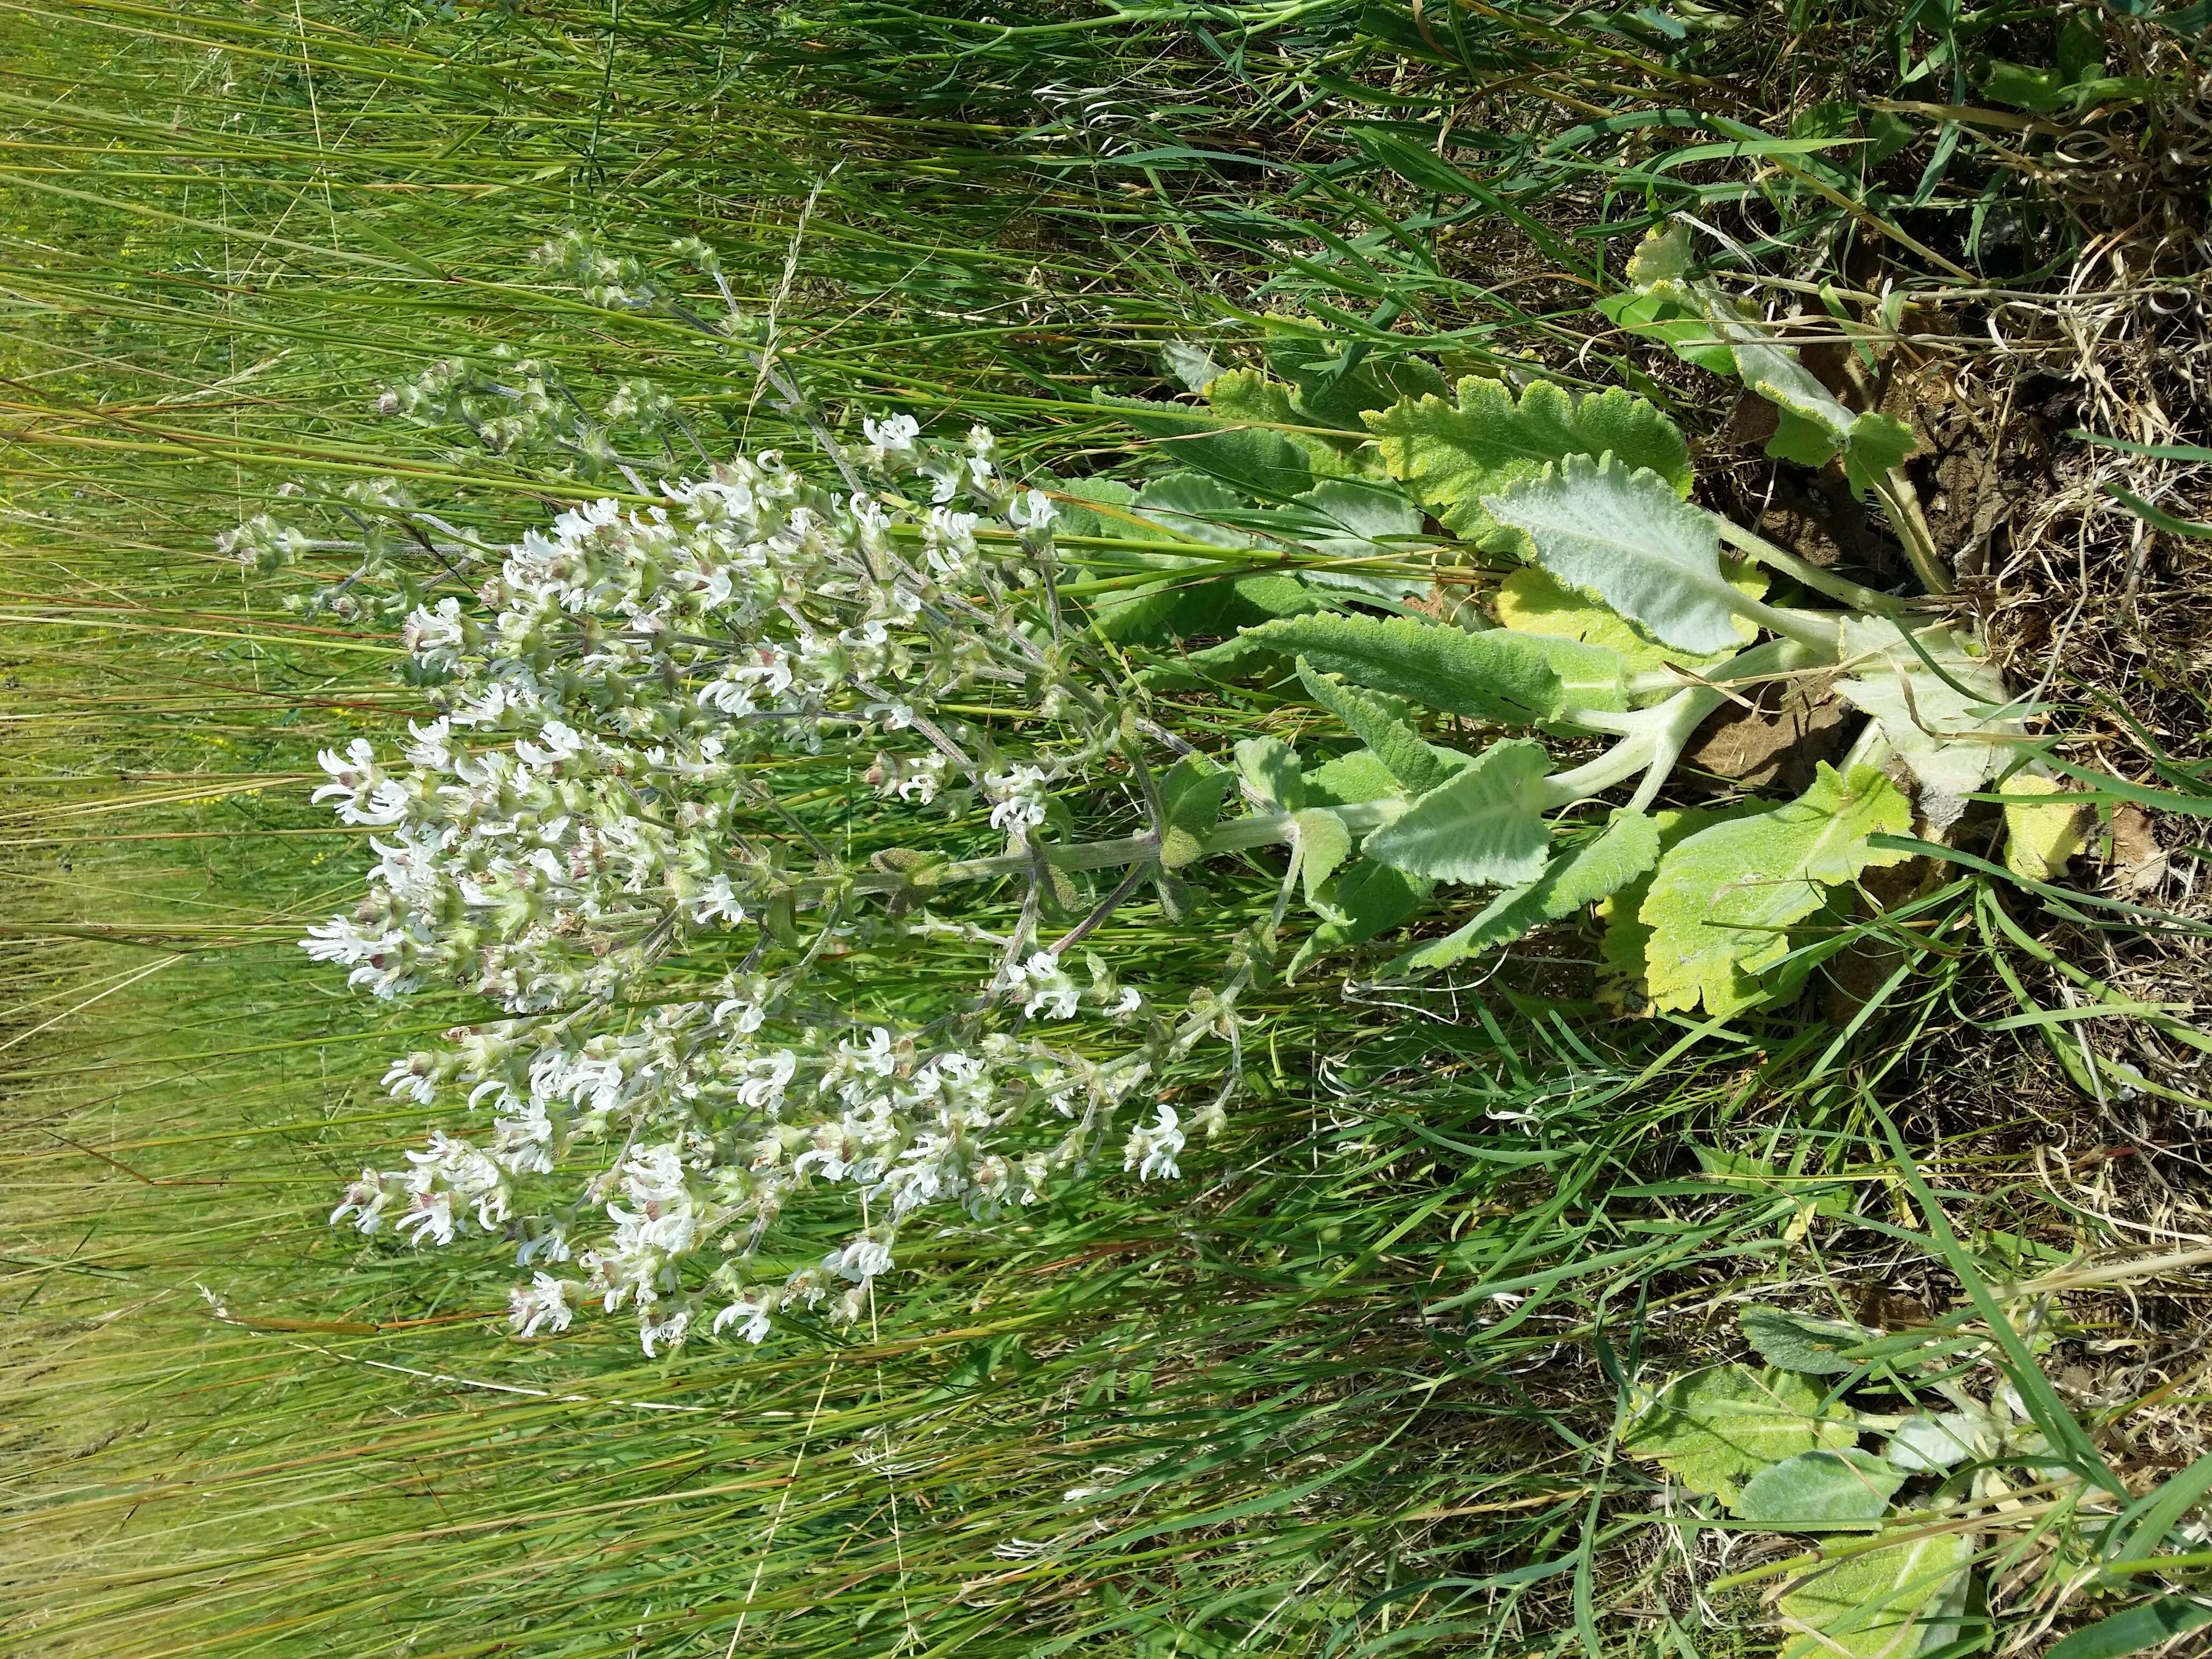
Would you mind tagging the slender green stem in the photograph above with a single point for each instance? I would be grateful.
(1817, 630)
(1239, 834)
(1811, 575)
(1903, 504)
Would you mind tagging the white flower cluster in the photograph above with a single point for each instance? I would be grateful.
(596, 834)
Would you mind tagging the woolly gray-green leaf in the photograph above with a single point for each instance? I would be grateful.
(1355, 518)
(1357, 776)
(1323, 843)
(1270, 766)
(1193, 504)
(1721, 902)
(1921, 1445)
(1191, 794)
(1715, 1429)
(1258, 461)
(1952, 740)
(1367, 898)
(1628, 846)
(1395, 744)
(1330, 391)
(1244, 394)
(1800, 1344)
(1485, 825)
(1823, 1487)
(2148, 1625)
(1877, 443)
(1453, 458)
(1625, 537)
(1870, 1605)
(1497, 675)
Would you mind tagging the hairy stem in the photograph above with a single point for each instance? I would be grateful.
(1652, 740)
(1238, 835)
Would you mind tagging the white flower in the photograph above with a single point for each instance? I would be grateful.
(669, 1328)
(430, 1215)
(1049, 990)
(435, 638)
(430, 747)
(608, 709)
(861, 1261)
(894, 435)
(1152, 1148)
(551, 1245)
(524, 1145)
(412, 1079)
(1032, 510)
(1020, 806)
(739, 1015)
(378, 961)
(767, 1076)
(364, 793)
(365, 1202)
(874, 1057)
(945, 478)
(543, 1301)
(717, 901)
(753, 1309)
(557, 743)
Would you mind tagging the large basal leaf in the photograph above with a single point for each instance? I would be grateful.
(1870, 1605)
(1776, 373)
(1667, 313)
(1496, 676)
(1927, 1446)
(1820, 1489)
(1663, 256)
(1721, 905)
(1322, 844)
(1195, 597)
(1485, 825)
(2152, 1624)
(1953, 741)
(1192, 505)
(1710, 329)
(1628, 846)
(1257, 461)
(1354, 518)
(1192, 792)
(1244, 394)
(1077, 518)
(1798, 1343)
(2040, 834)
(1713, 1429)
(1202, 603)
(1454, 456)
(1333, 388)
(1590, 676)
(1875, 444)
(1624, 537)
(1625, 945)
(1269, 768)
(1394, 742)
(1530, 602)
